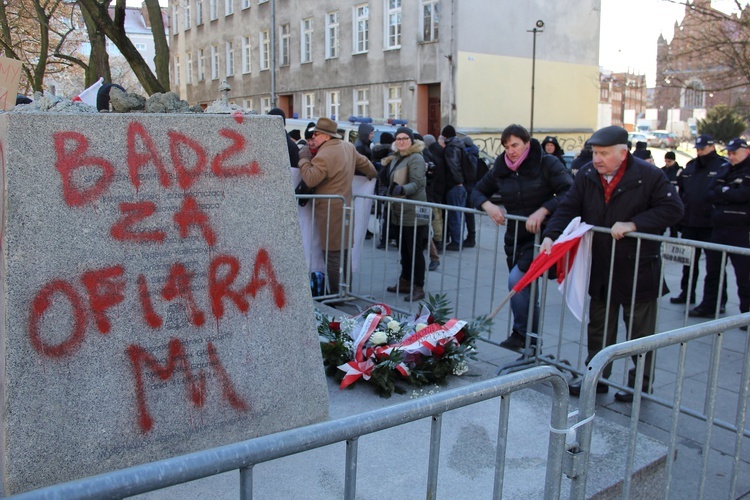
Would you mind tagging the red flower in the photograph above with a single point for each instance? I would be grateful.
(438, 351)
(335, 326)
(431, 319)
(460, 336)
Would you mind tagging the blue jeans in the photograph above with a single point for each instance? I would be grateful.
(456, 197)
(519, 304)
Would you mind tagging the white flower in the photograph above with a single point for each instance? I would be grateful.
(419, 326)
(378, 337)
(460, 368)
(394, 326)
(386, 319)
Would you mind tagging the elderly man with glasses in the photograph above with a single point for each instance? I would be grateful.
(331, 172)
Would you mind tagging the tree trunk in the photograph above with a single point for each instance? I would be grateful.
(99, 59)
(115, 31)
(161, 59)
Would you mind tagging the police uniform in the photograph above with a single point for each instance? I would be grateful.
(730, 197)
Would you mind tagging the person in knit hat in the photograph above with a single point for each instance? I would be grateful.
(455, 192)
(407, 180)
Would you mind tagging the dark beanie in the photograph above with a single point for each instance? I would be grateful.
(102, 95)
(386, 138)
(407, 131)
(670, 156)
(643, 154)
(309, 130)
(448, 131)
(278, 112)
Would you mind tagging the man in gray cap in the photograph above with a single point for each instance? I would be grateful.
(626, 194)
(730, 196)
(693, 185)
(331, 172)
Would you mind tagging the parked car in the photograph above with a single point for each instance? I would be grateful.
(634, 137)
(662, 139)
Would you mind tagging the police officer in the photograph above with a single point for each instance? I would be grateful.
(730, 196)
(692, 185)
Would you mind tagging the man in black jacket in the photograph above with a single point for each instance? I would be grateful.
(455, 192)
(730, 196)
(692, 186)
(625, 194)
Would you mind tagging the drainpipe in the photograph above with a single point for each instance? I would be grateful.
(273, 53)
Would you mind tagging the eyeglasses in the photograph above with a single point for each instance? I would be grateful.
(399, 139)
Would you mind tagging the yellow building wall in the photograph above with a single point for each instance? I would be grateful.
(495, 91)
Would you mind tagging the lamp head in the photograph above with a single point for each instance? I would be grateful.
(540, 24)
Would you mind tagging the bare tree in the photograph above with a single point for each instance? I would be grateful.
(43, 35)
(710, 45)
(114, 29)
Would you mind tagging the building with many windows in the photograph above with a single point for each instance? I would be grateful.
(424, 61)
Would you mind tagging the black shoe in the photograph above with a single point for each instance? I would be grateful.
(743, 328)
(575, 388)
(381, 246)
(515, 342)
(470, 243)
(701, 312)
(368, 235)
(434, 265)
(453, 247)
(682, 299)
(624, 396)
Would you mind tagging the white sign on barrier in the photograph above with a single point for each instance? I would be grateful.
(682, 254)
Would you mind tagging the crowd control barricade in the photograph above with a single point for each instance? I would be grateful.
(243, 456)
(680, 422)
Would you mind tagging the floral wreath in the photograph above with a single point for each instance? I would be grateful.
(375, 347)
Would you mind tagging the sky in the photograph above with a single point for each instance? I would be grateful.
(630, 29)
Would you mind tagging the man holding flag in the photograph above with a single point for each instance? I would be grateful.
(626, 194)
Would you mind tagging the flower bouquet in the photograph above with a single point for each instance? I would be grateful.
(375, 347)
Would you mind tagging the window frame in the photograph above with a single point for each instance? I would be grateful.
(247, 55)
(332, 35)
(360, 46)
(392, 41)
(264, 49)
(229, 55)
(285, 45)
(306, 40)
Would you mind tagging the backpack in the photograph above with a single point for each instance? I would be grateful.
(469, 166)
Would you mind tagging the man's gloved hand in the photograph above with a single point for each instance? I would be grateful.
(305, 154)
(397, 190)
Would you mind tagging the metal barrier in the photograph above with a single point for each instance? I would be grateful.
(640, 347)
(244, 455)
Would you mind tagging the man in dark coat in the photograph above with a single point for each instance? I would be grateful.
(625, 194)
(672, 170)
(730, 196)
(290, 144)
(365, 133)
(455, 192)
(693, 186)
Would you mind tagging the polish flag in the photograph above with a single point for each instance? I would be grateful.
(88, 96)
(572, 261)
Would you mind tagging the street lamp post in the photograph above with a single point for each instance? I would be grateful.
(537, 29)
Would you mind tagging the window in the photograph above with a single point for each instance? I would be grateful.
(362, 102)
(228, 7)
(430, 20)
(246, 51)
(245, 5)
(393, 24)
(201, 65)
(189, 68)
(140, 47)
(213, 10)
(265, 105)
(198, 12)
(214, 62)
(186, 9)
(309, 106)
(230, 58)
(693, 96)
(333, 100)
(247, 104)
(175, 15)
(265, 50)
(361, 28)
(306, 41)
(177, 70)
(332, 35)
(393, 102)
(284, 42)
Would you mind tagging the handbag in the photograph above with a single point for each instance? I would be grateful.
(303, 188)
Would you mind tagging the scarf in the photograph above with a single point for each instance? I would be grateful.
(514, 166)
(609, 187)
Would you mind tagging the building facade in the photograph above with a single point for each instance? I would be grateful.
(694, 71)
(624, 96)
(423, 61)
